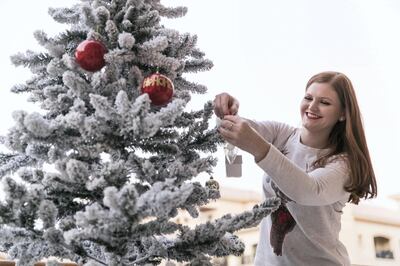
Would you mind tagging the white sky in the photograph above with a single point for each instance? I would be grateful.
(264, 52)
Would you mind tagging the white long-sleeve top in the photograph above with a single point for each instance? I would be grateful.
(318, 199)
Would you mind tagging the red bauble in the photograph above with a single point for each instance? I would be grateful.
(90, 55)
(159, 88)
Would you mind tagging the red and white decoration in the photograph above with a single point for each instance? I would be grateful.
(159, 88)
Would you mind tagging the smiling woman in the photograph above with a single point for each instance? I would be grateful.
(269, 40)
(315, 170)
(320, 110)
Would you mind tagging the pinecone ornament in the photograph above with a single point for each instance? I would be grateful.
(212, 184)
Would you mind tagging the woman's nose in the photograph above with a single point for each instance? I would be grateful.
(313, 106)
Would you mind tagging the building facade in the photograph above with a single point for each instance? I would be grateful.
(372, 234)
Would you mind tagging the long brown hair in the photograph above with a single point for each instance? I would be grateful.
(347, 138)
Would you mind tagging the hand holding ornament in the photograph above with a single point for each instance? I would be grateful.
(238, 132)
(225, 104)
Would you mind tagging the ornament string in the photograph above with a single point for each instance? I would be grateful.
(230, 150)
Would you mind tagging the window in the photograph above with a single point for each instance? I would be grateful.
(382, 248)
(253, 250)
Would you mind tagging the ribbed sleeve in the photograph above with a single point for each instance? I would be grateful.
(321, 186)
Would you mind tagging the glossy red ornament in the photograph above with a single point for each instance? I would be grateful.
(90, 55)
(159, 88)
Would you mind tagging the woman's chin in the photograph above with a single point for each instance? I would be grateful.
(310, 126)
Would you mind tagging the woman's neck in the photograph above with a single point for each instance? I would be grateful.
(317, 140)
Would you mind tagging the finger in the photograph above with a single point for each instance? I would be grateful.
(217, 106)
(226, 124)
(234, 107)
(226, 134)
(225, 101)
(232, 118)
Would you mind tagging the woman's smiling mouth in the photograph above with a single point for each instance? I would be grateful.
(312, 115)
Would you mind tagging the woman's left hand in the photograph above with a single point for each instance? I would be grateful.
(238, 132)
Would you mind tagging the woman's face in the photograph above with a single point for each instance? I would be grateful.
(320, 108)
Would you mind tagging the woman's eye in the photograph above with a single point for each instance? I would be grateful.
(325, 103)
(308, 98)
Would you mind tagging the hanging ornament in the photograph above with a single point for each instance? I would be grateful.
(233, 160)
(159, 88)
(212, 184)
(231, 152)
(90, 55)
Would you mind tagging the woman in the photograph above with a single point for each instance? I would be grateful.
(314, 169)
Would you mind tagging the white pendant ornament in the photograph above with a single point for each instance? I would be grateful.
(233, 161)
(231, 152)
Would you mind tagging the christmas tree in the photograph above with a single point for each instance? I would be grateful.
(98, 175)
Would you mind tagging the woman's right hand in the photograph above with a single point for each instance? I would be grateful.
(225, 104)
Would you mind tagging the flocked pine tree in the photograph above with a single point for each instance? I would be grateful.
(121, 166)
